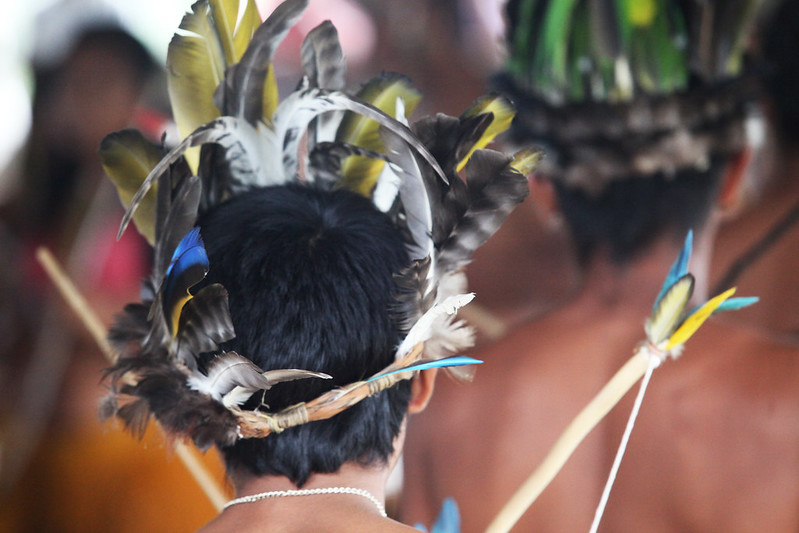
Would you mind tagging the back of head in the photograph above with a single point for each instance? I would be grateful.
(639, 107)
(309, 275)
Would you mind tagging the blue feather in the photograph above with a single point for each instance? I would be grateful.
(733, 304)
(678, 269)
(730, 304)
(190, 241)
(455, 360)
(188, 267)
(448, 521)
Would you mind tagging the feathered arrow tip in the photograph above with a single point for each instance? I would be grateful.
(670, 326)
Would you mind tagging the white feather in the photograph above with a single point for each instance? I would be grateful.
(424, 328)
(241, 394)
(292, 116)
(226, 372)
(386, 189)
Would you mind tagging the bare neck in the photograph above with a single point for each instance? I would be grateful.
(635, 284)
(328, 512)
(774, 276)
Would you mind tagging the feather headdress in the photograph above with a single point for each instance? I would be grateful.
(225, 100)
(615, 89)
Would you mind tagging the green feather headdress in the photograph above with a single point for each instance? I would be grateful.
(622, 88)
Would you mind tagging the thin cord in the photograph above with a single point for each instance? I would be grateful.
(600, 510)
(760, 247)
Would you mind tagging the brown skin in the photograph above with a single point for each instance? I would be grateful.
(775, 276)
(532, 240)
(478, 443)
(714, 449)
(329, 512)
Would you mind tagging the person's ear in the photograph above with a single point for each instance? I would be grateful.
(733, 178)
(422, 390)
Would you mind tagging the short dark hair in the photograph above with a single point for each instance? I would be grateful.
(629, 214)
(779, 36)
(310, 277)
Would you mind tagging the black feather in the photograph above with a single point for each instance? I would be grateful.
(322, 58)
(129, 329)
(412, 297)
(494, 189)
(204, 324)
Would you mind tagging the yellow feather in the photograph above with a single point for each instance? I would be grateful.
(195, 66)
(666, 317)
(360, 174)
(128, 158)
(526, 161)
(224, 18)
(250, 20)
(696, 319)
(176, 311)
(270, 95)
(503, 115)
(641, 12)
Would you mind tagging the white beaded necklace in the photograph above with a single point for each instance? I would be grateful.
(309, 492)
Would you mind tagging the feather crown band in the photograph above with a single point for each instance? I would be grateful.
(225, 101)
(615, 89)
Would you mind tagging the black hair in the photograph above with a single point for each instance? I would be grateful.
(629, 214)
(780, 41)
(310, 277)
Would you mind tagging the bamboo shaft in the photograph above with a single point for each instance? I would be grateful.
(78, 304)
(577, 430)
(76, 301)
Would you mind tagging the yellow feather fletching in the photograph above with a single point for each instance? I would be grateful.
(128, 158)
(666, 317)
(526, 161)
(697, 318)
(360, 174)
(503, 116)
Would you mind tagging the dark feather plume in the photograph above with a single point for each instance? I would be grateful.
(129, 329)
(162, 386)
(322, 58)
(241, 93)
(412, 297)
(494, 189)
(204, 324)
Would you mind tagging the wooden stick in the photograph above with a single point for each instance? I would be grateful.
(75, 300)
(593, 413)
(78, 303)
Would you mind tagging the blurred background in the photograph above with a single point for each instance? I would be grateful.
(72, 71)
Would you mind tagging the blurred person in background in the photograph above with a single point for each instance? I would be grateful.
(641, 110)
(59, 469)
